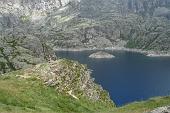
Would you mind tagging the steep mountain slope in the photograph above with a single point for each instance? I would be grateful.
(140, 24)
(28, 28)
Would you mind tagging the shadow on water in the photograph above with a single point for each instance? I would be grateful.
(129, 77)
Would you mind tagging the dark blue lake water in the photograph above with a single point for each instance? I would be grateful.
(129, 77)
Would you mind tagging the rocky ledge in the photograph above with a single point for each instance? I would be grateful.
(69, 77)
(161, 110)
(101, 54)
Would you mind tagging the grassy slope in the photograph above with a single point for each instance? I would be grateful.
(145, 106)
(18, 95)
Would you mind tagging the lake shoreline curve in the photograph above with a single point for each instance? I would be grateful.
(148, 53)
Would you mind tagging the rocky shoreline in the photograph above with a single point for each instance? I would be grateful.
(158, 55)
(165, 109)
(148, 53)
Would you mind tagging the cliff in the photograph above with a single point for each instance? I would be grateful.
(142, 24)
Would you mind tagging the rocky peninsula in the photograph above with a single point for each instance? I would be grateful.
(101, 54)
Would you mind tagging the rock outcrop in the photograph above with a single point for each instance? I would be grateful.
(161, 110)
(58, 86)
(101, 54)
(69, 77)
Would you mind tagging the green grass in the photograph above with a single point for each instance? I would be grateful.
(19, 95)
(144, 106)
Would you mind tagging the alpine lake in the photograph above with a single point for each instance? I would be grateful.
(128, 77)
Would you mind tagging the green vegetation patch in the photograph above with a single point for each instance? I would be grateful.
(144, 106)
(26, 93)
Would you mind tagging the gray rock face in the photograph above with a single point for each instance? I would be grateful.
(143, 24)
(35, 4)
(143, 7)
(161, 110)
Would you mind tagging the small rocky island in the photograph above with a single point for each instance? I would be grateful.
(101, 54)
